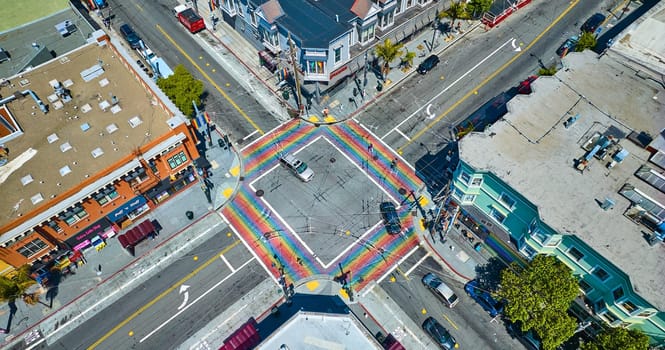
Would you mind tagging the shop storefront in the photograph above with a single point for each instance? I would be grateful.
(128, 212)
(92, 236)
(169, 186)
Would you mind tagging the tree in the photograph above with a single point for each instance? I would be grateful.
(619, 338)
(539, 296)
(476, 8)
(587, 41)
(407, 59)
(388, 52)
(456, 10)
(548, 71)
(182, 88)
(14, 285)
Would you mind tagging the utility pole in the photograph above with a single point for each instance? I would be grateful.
(295, 73)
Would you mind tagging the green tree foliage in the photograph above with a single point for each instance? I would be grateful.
(407, 59)
(14, 285)
(587, 41)
(539, 296)
(619, 338)
(457, 10)
(548, 71)
(182, 88)
(476, 8)
(388, 52)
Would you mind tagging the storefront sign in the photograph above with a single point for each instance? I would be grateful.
(82, 239)
(126, 208)
(337, 72)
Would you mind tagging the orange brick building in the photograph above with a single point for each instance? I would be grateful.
(89, 145)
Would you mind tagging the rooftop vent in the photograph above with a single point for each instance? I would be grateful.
(135, 121)
(52, 138)
(97, 152)
(111, 128)
(65, 170)
(65, 147)
(36, 198)
(26, 179)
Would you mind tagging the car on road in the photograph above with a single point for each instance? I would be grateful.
(483, 297)
(593, 23)
(441, 289)
(428, 64)
(567, 46)
(390, 218)
(440, 334)
(130, 36)
(298, 167)
(529, 339)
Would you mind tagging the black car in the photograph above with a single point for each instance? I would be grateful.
(130, 35)
(440, 335)
(428, 64)
(390, 218)
(529, 338)
(593, 23)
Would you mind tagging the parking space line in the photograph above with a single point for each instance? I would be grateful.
(408, 272)
(450, 321)
(403, 134)
(390, 270)
(227, 263)
(194, 302)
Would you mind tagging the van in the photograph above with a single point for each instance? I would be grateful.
(298, 167)
(440, 289)
(130, 36)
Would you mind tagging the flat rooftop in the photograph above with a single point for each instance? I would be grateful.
(532, 151)
(311, 330)
(51, 153)
(18, 41)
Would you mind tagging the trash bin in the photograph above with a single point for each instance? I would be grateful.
(189, 214)
(220, 142)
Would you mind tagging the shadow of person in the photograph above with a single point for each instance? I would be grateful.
(12, 311)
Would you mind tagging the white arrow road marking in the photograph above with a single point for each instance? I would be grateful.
(515, 47)
(183, 289)
(430, 115)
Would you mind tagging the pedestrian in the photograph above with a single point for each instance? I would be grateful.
(393, 164)
(99, 268)
(370, 148)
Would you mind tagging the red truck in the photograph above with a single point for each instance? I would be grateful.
(190, 19)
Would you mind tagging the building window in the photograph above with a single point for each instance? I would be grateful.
(507, 201)
(646, 313)
(387, 19)
(106, 195)
(584, 286)
(599, 306)
(32, 248)
(575, 254)
(601, 274)
(469, 198)
(529, 252)
(539, 235)
(629, 306)
(54, 225)
(497, 215)
(316, 67)
(617, 293)
(477, 181)
(177, 160)
(409, 3)
(609, 317)
(338, 54)
(252, 16)
(457, 193)
(72, 217)
(367, 33)
(465, 177)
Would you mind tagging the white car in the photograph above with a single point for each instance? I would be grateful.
(297, 166)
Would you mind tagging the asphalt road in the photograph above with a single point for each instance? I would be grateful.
(228, 104)
(167, 309)
(472, 72)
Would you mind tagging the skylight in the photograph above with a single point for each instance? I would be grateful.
(97, 152)
(36, 198)
(52, 138)
(135, 121)
(26, 179)
(65, 170)
(65, 147)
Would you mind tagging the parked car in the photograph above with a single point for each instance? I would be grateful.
(484, 298)
(440, 334)
(567, 46)
(593, 23)
(130, 36)
(438, 287)
(428, 64)
(529, 339)
(390, 218)
(298, 167)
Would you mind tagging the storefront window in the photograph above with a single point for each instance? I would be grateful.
(316, 67)
(75, 216)
(177, 160)
(32, 248)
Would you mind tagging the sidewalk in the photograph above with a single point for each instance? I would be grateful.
(341, 104)
(81, 295)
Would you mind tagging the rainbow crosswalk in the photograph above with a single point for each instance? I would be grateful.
(280, 249)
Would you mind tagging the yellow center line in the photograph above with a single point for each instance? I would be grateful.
(209, 79)
(488, 79)
(138, 6)
(450, 321)
(160, 296)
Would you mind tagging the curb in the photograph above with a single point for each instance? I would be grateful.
(444, 260)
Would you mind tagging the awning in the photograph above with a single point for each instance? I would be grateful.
(202, 163)
(136, 234)
(126, 208)
(163, 185)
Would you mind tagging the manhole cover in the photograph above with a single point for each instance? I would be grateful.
(332, 159)
(259, 193)
(402, 191)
